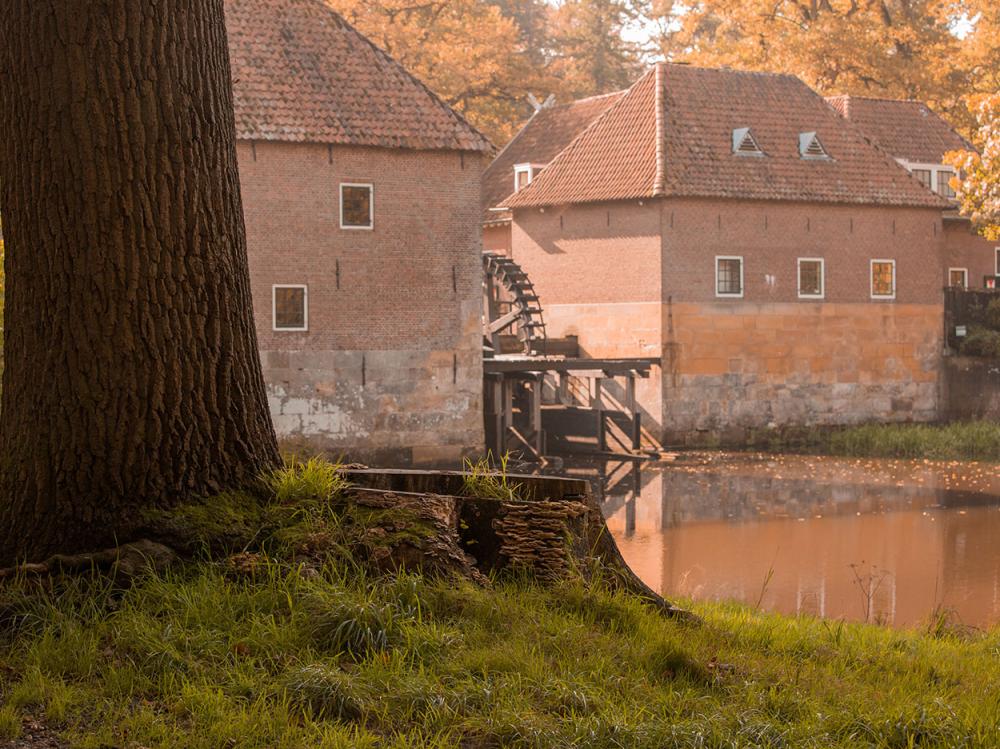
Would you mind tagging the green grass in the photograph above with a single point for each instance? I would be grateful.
(198, 659)
(979, 440)
(296, 645)
(483, 479)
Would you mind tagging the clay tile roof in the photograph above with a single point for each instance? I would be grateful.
(301, 73)
(671, 135)
(905, 129)
(548, 132)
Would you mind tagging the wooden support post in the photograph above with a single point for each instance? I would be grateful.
(564, 388)
(508, 411)
(602, 438)
(536, 411)
(497, 405)
(633, 408)
(493, 312)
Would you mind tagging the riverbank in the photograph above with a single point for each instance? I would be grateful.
(976, 440)
(298, 643)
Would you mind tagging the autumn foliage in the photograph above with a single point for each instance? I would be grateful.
(491, 58)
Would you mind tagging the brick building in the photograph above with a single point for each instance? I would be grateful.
(784, 268)
(918, 138)
(361, 192)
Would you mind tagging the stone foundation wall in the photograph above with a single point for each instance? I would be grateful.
(732, 369)
(402, 407)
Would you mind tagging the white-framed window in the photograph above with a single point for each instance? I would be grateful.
(289, 307)
(935, 177)
(883, 278)
(924, 176)
(996, 264)
(958, 277)
(944, 188)
(357, 205)
(729, 275)
(812, 278)
(525, 173)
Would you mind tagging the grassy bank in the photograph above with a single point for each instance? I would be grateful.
(296, 645)
(978, 440)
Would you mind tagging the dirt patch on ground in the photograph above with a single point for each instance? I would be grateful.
(35, 734)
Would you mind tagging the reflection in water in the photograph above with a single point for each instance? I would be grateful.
(885, 540)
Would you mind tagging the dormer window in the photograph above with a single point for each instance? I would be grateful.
(935, 177)
(744, 144)
(810, 147)
(524, 173)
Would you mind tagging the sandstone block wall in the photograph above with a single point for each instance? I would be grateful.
(734, 369)
(391, 366)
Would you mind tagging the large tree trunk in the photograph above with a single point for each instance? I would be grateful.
(132, 374)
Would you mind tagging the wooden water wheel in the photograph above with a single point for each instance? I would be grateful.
(511, 308)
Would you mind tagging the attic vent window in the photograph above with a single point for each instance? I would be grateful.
(810, 147)
(744, 144)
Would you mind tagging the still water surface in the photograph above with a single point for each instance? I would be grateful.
(883, 540)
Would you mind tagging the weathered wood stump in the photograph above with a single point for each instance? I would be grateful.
(553, 530)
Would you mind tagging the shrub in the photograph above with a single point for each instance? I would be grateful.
(993, 314)
(981, 342)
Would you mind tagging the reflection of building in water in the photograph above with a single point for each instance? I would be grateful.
(715, 535)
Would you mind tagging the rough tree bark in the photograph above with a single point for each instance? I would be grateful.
(132, 373)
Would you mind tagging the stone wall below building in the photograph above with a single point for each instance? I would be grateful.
(970, 389)
(402, 407)
(734, 369)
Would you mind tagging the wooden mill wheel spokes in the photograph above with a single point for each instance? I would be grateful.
(511, 305)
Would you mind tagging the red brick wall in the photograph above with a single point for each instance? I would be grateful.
(643, 284)
(496, 238)
(771, 236)
(966, 249)
(391, 363)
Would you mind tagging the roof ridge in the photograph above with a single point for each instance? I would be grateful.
(532, 186)
(659, 101)
(619, 92)
(738, 71)
(879, 98)
(447, 108)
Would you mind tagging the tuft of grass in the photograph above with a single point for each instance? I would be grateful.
(10, 723)
(482, 479)
(324, 692)
(315, 480)
(977, 440)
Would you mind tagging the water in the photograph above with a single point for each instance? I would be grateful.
(880, 540)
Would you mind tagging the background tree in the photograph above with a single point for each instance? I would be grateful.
(979, 189)
(472, 53)
(893, 48)
(132, 374)
(591, 54)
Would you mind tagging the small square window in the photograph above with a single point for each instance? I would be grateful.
(945, 189)
(522, 176)
(958, 277)
(811, 278)
(883, 279)
(729, 276)
(356, 206)
(923, 176)
(290, 307)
